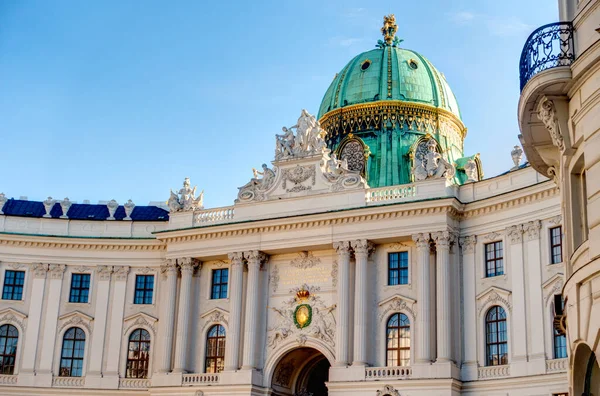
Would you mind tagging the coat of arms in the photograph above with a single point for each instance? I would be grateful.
(303, 312)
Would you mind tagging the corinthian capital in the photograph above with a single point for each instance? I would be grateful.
(255, 257)
(443, 239)
(468, 243)
(57, 270)
(342, 247)
(169, 267)
(421, 240)
(39, 270)
(532, 229)
(362, 246)
(188, 264)
(121, 272)
(515, 233)
(237, 258)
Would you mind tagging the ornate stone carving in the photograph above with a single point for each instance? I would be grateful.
(48, 205)
(185, 199)
(430, 163)
(334, 273)
(16, 266)
(3, 201)
(39, 270)
(215, 317)
(65, 204)
(517, 155)
(199, 393)
(397, 246)
(556, 289)
(342, 247)
(362, 246)
(547, 114)
(121, 272)
(556, 220)
(128, 206)
(274, 278)
(515, 233)
(255, 189)
(169, 268)
(443, 239)
(12, 316)
(57, 271)
(142, 320)
(103, 272)
(387, 390)
(309, 139)
(112, 207)
(284, 373)
(188, 264)
(353, 155)
(553, 174)
(421, 240)
(236, 258)
(398, 305)
(322, 325)
(493, 298)
(297, 176)
(305, 260)
(468, 244)
(471, 171)
(77, 320)
(492, 236)
(532, 229)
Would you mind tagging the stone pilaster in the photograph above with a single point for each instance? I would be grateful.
(514, 236)
(187, 266)
(443, 239)
(56, 272)
(232, 344)
(169, 269)
(115, 336)
(362, 248)
(469, 280)
(103, 273)
(423, 331)
(255, 260)
(343, 302)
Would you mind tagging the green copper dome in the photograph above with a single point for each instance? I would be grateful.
(383, 108)
(389, 73)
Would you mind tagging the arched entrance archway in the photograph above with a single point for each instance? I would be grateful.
(586, 372)
(301, 372)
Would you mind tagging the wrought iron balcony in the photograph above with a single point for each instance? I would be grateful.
(547, 47)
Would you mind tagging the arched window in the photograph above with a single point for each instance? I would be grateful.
(138, 354)
(398, 341)
(71, 357)
(496, 337)
(215, 349)
(9, 337)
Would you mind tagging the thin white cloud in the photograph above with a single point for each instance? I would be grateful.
(497, 26)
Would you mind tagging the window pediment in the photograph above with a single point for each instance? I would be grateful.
(553, 286)
(397, 303)
(494, 295)
(77, 319)
(140, 319)
(215, 315)
(13, 316)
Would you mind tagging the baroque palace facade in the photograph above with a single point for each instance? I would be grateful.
(370, 257)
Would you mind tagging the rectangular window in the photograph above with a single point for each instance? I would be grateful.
(494, 259)
(80, 288)
(556, 245)
(13, 285)
(144, 288)
(398, 268)
(560, 340)
(220, 277)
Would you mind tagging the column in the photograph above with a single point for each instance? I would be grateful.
(56, 272)
(99, 330)
(343, 294)
(470, 309)
(187, 266)
(116, 320)
(519, 318)
(168, 315)
(255, 260)
(232, 344)
(534, 294)
(30, 344)
(423, 337)
(362, 248)
(444, 298)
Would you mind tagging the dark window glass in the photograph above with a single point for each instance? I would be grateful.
(556, 245)
(560, 340)
(9, 337)
(138, 354)
(398, 341)
(496, 334)
(215, 349)
(80, 288)
(494, 259)
(398, 268)
(144, 287)
(13, 285)
(220, 278)
(71, 357)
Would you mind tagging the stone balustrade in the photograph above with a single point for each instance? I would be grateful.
(134, 383)
(490, 372)
(214, 215)
(201, 378)
(557, 365)
(376, 373)
(8, 379)
(68, 382)
(392, 193)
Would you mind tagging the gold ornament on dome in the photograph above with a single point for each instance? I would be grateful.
(389, 28)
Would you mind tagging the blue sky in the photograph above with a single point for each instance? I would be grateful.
(123, 99)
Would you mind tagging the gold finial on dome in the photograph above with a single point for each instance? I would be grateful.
(389, 28)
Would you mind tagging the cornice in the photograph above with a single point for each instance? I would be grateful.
(80, 243)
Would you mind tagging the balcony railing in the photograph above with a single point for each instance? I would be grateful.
(489, 372)
(387, 373)
(547, 47)
(194, 379)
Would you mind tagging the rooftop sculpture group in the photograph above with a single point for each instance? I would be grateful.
(309, 139)
(185, 199)
(431, 164)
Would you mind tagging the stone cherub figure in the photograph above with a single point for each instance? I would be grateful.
(185, 199)
(432, 164)
(267, 179)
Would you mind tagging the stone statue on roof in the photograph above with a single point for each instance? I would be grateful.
(309, 138)
(430, 163)
(185, 199)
